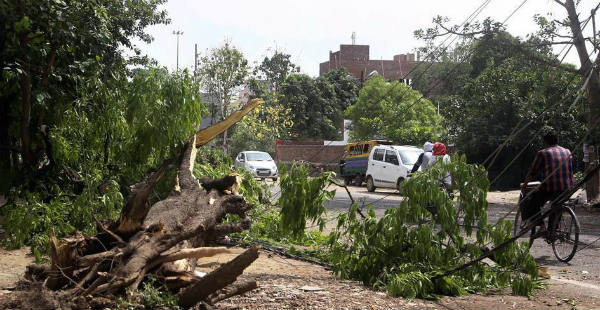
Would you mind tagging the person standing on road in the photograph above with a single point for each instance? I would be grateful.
(439, 154)
(556, 165)
(419, 161)
(425, 158)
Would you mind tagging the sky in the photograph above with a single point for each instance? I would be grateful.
(308, 29)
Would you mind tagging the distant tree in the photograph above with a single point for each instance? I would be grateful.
(394, 111)
(345, 85)
(272, 72)
(314, 108)
(501, 97)
(258, 132)
(261, 129)
(222, 72)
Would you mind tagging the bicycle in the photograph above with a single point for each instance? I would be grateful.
(563, 234)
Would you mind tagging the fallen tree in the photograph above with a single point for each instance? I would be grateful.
(163, 240)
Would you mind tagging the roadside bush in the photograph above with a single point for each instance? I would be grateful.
(30, 217)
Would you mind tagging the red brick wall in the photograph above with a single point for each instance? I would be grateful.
(312, 153)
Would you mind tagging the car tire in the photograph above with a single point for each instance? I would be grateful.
(358, 180)
(370, 184)
(348, 181)
(399, 185)
(274, 179)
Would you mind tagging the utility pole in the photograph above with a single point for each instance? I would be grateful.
(593, 15)
(178, 33)
(195, 60)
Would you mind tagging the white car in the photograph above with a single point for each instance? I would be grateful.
(389, 165)
(261, 164)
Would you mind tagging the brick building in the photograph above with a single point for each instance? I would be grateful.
(355, 58)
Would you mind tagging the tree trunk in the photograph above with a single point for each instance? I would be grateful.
(23, 36)
(593, 186)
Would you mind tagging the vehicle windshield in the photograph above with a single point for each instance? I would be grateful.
(409, 157)
(258, 156)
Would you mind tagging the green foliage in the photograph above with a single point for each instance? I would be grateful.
(272, 72)
(104, 142)
(271, 121)
(303, 197)
(260, 129)
(345, 86)
(93, 124)
(394, 111)
(429, 233)
(491, 85)
(318, 105)
(52, 54)
(315, 113)
(30, 219)
(151, 296)
(501, 97)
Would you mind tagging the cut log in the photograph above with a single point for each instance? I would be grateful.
(237, 288)
(191, 253)
(217, 279)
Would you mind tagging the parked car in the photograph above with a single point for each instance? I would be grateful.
(389, 165)
(261, 164)
(353, 165)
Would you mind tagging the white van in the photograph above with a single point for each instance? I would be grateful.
(389, 165)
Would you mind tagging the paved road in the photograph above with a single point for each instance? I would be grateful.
(583, 271)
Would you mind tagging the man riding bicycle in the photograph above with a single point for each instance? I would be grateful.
(556, 166)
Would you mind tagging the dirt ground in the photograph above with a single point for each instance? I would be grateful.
(290, 284)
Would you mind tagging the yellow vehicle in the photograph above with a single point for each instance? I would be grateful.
(353, 165)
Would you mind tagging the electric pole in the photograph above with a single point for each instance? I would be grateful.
(195, 60)
(178, 33)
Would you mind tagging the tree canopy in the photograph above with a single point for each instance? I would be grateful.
(49, 54)
(79, 120)
(500, 88)
(394, 111)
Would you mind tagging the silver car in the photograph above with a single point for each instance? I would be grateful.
(261, 164)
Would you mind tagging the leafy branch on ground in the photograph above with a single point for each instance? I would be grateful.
(429, 233)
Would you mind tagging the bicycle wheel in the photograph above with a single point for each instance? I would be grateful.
(565, 235)
(519, 225)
